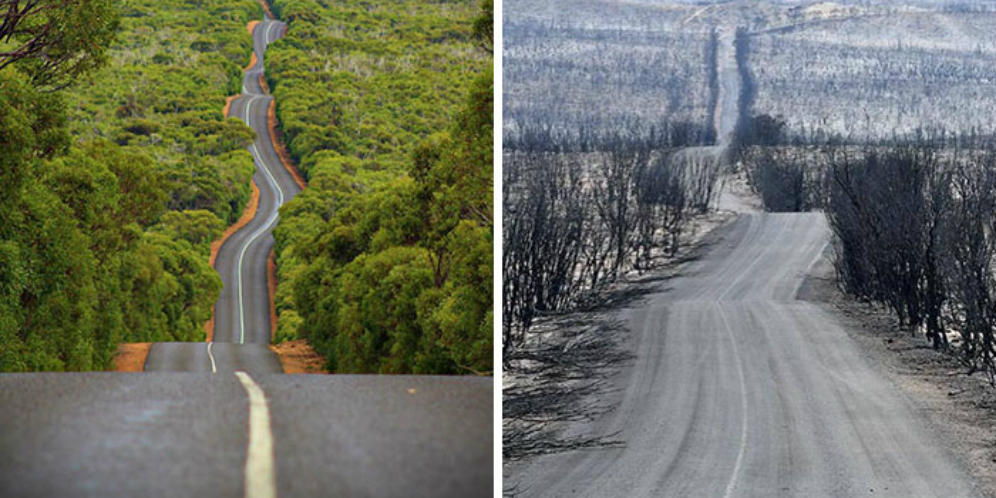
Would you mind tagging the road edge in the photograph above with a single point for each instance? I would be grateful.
(248, 212)
(278, 145)
(958, 410)
(131, 356)
(715, 228)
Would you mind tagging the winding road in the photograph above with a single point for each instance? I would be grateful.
(242, 314)
(220, 419)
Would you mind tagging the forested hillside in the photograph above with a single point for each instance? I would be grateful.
(384, 261)
(117, 169)
(169, 72)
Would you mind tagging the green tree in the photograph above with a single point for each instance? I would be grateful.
(389, 272)
(104, 241)
(56, 41)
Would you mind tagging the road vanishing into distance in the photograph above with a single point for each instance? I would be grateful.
(242, 314)
(727, 111)
(220, 419)
(725, 116)
(740, 390)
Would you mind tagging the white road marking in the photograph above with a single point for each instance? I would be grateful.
(258, 158)
(214, 368)
(266, 226)
(743, 407)
(268, 30)
(248, 106)
(260, 478)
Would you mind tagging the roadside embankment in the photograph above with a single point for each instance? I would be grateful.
(131, 356)
(247, 215)
(228, 105)
(252, 62)
(271, 286)
(298, 357)
(278, 144)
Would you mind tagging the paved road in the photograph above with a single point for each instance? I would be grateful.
(113, 435)
(211, 357)
(740, 390)
(727, 113)
(232, 434)
(725, 119)
(242, 313)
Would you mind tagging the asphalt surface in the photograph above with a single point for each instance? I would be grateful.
(740, 390)
(184, 434)
(211, 357)
(725, 119)
(726, 114)
(242, 313)
(196, 424)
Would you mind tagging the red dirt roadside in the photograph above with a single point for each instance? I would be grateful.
(247, 215)
(298, 357)
(277, 138)
(131, 356)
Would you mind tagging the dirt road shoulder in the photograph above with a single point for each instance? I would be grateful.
(960, 407)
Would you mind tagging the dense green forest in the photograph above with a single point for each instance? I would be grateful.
(117, 169)
(385, 260)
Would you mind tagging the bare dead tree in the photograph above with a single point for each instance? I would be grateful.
(968, 238)
(543, 236)
(576, 220)
(915, 229)
(614, 189)
(787, 179)
(885, 218)
(661, 210)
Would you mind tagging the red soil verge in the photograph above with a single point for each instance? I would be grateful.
(209, 327)
(228, 105)
(298, 357)
(252, 62)
(267, 9)
(247, 215)
(131, 356)
(278, 144)
(271, 285)
(263, 85)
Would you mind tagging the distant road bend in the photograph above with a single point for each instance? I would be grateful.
(220, 419)
(242, 314)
